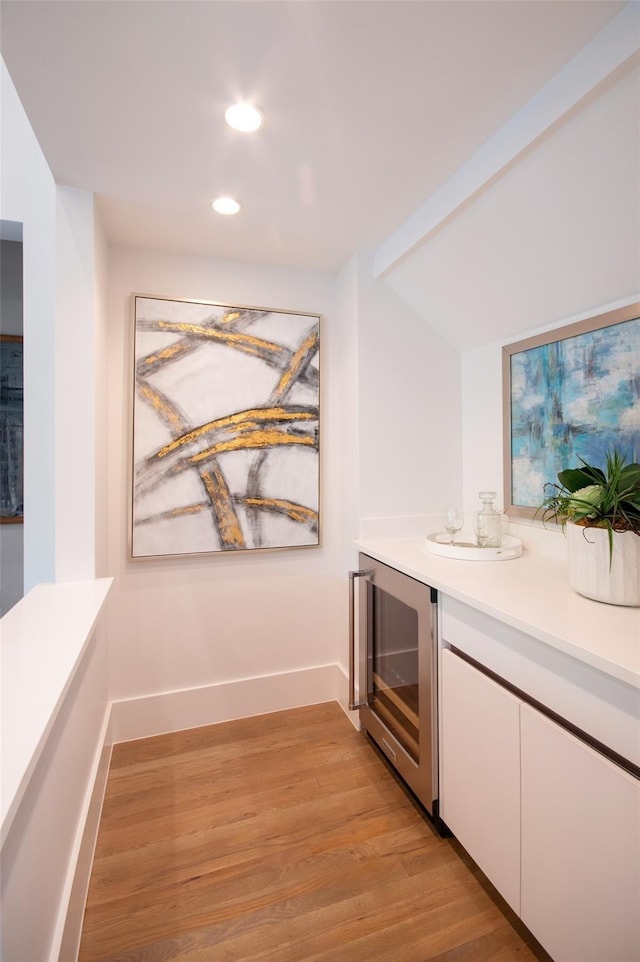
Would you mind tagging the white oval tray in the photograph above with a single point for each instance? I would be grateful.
(440, 544)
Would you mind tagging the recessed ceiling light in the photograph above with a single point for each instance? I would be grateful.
(244, 117)
(226, 205)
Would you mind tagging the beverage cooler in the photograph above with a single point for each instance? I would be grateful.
(393, 672)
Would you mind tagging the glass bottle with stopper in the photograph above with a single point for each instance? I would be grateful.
(488, 522)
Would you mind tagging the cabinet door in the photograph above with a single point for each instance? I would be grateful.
(580, 847)
(480, 772)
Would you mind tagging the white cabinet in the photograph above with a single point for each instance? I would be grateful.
(552, 823)
(580, 847)
(480, 772)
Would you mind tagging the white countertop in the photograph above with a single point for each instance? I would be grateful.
(43, 639)
(532, 594)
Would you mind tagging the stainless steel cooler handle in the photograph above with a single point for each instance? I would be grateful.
(352, 636)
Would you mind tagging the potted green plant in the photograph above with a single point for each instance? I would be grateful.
(600, 512)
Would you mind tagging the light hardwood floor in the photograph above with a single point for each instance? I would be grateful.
(281, 838)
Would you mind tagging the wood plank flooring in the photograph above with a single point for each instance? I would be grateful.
(283, 838)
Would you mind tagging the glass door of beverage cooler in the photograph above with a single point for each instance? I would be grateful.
(394, 690)
(396, 671)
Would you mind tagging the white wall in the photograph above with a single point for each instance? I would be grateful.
(100, 522)
(59, 361)
(552, 238)
(390, 435)
(75, 372)
(409, 407)
(28, 196)
(212, 619)
(348, 384)
(40, 852)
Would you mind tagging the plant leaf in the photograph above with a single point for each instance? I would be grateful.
(630, 476)
(572, 479)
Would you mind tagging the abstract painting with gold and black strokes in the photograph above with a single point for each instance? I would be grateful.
(225, 428)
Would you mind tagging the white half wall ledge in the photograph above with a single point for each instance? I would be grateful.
(44, 637)
(598, 59)
(171, 711)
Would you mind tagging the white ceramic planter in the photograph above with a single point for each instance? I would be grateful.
(589, 573)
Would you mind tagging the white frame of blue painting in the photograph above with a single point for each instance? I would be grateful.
(556, 409)
(225, 428)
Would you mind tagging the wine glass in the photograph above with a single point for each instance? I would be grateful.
(453, 521)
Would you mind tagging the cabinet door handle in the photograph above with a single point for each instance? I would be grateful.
(364, 573)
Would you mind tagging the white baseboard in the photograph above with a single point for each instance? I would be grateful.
(171, 711)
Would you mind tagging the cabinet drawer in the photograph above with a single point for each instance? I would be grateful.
(601, 706)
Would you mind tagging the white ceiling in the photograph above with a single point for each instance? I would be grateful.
(555, 235)
(370, 107)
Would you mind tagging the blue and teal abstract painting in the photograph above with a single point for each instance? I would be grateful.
(575, 397)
